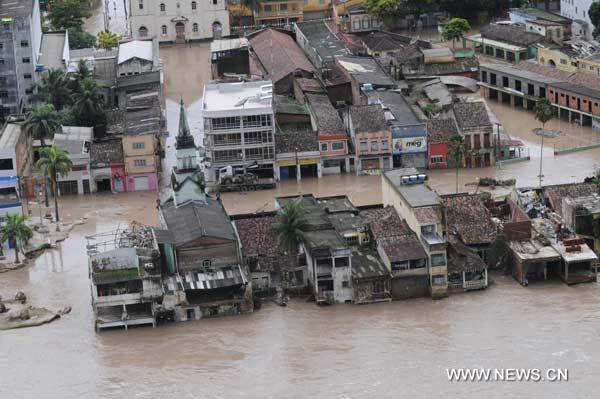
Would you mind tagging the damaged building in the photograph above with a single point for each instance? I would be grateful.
(125, 274)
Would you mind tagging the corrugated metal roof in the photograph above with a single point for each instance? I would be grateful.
(135, 49)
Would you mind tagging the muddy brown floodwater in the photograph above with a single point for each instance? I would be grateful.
(393, 350)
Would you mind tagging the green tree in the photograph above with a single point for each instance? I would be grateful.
(67, 14)
(455, 29)
(87, 108)
(289, 231)
(543, 113)
(108, 40)
(457, 150)
(55, 162)
(53, 86)
(15, 230)
(42, 122)
(594, 14)
(81, 73)
(79, 39)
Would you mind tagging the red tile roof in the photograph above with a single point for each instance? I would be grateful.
(278, 53)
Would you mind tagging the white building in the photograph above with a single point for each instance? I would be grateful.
(179, 20)
(76, 142)
(238, 128)
(577, 10)
(15, 160)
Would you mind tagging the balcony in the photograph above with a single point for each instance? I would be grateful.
(112, 300)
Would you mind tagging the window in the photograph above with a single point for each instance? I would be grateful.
(225, 123)
(384, 145)
(493, 79)
(364, 146)
(267, 8)
(437, 159)
(26, 60)
(1, 46)
(341, 262)
(24, 43)
(504, 81)
(324, 147)
(194, 27)
(26, 76)
(563, 61)
(336, 146)
(351, 240)
(140, 145)
(283, 7)
(428, 229)
(254, 153)
(215, 2)
(141, 4)
(1, 61)
(374, 146)
(6, 164)
(163, 8)
(3, 94)
(143, 31)
(438, 280)
(194, 5)
(438, 260)
(207, 263)
(484, 76)
(257, 120)
(139, 162)
(518, 85)
(345, 284)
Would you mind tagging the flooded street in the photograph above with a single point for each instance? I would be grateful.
(398, 349)
(390, 350)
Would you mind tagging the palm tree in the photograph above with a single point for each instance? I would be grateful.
(42, 122)
(15, 230)
(81, 73)
(55, 88)
(289, 231)
(88, 103)
(457, 150)
(543, 113)
(55, 162)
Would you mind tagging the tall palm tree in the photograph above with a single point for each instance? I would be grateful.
(42, 122)
(87, 107)
(15, 230)
(54, 87)
(457, 150)
(289, 231)
(55, 162)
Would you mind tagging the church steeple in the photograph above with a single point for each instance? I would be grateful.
(184, 137)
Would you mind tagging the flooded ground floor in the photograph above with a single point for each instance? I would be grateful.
(390, 350)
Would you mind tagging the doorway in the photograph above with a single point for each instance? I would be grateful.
(103, 186)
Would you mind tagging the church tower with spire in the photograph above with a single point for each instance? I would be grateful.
(187, 180)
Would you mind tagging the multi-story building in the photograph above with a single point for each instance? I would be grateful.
(238, 128)
(15, 160)
(421, 207)
(125, 272)
(409, 132)
(179, 21)
(475, 126)
(372, 138)
(333, 140)
(20, 41)
(278, 12)
(577, 10)
(76, 141)
(141, 161)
